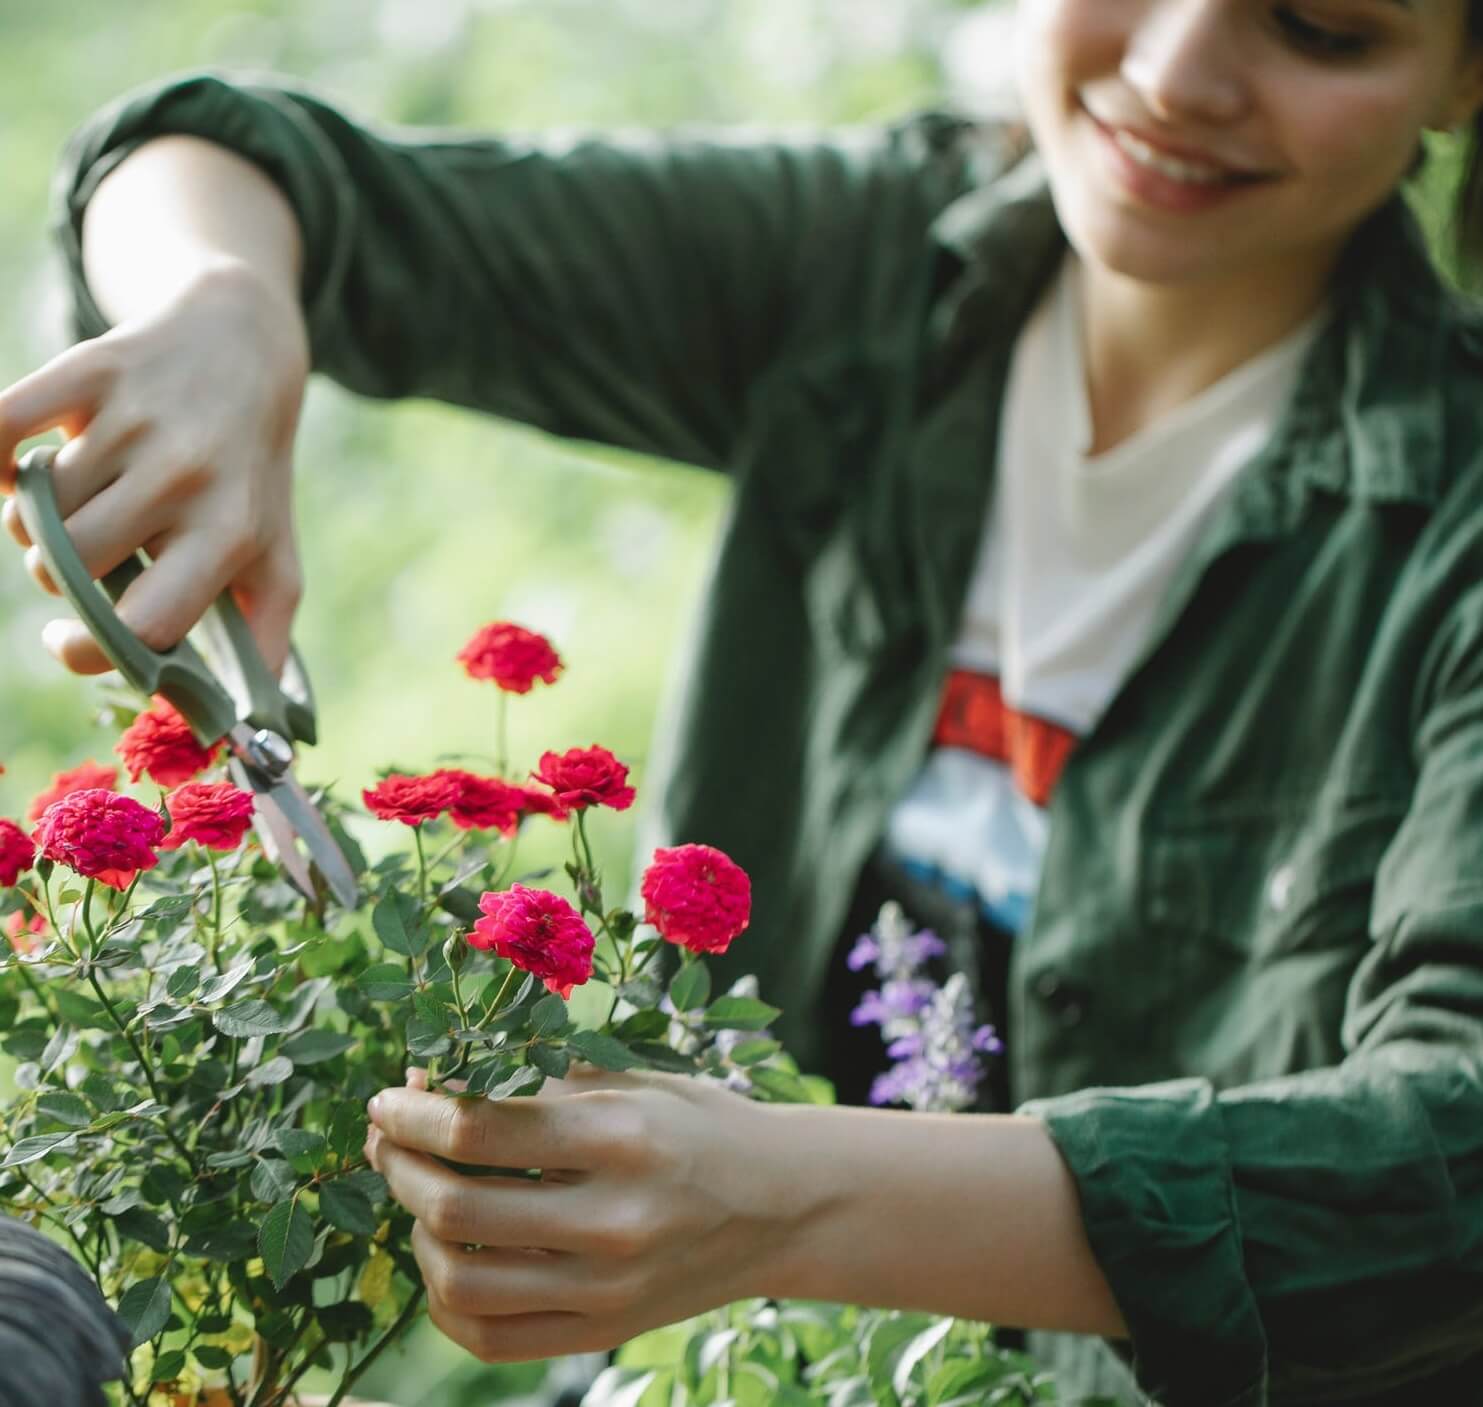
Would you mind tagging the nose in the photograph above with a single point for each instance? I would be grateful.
(1182, 60)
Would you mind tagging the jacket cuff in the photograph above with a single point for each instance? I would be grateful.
(1153, 1171)
(269, 126)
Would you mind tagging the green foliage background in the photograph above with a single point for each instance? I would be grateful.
(419, 522)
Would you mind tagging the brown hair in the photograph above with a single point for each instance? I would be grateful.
(1468, 213)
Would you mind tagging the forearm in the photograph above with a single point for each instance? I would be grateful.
(174, 209)
(975, 1216)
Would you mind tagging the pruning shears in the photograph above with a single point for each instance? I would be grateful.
(234, 697)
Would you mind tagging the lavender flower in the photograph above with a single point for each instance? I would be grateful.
(931, 1032)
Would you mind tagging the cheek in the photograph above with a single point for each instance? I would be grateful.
(1355, 152)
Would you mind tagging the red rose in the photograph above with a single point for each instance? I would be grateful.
(89, 776)
(697, 896)
(513, 657)
(25, 934)
(101, 836)
(411, 800)
(17, 850)
(586, 776)
(483, 803)
(542, 803)
(539, 932)
(213, 814)
(160, 742)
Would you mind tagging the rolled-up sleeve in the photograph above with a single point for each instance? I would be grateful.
(1319, 1236)
(627, 288)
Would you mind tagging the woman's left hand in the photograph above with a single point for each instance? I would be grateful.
(659, 1198)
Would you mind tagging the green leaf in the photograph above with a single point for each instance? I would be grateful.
(659, 1056)
(272, 1180)
(315, 1047)
(399, 925)
(285, 1242)
(740, 1014)
(182, 982)
(619, 1387)
(606, 1052)
(344, 1322)
(66, 1108)
(643, 1026)
(28, 1150)
(80, 1010)
(303, 1148)
(145, 1227)
(915, 1352)
(347, 1131)
(226, 1245)
(211, 1355)
(548, 1017)
(552, 1060)
(144, 1308)
(251, 1018)
(754, 1051)
(384, 982)
(168, 1365)
(425, 1039)
(780, 1086)
(523, 1079)
(220, 987)
(347, 1208)
(691, 988)
(271, 1072)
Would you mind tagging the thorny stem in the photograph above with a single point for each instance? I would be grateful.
(215, 937)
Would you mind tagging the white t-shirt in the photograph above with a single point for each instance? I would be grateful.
(1077, 554)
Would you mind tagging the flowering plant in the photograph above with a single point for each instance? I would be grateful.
(196, 1041)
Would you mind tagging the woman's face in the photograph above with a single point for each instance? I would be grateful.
(1190, 140)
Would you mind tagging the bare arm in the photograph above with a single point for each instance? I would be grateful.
(665, 1198)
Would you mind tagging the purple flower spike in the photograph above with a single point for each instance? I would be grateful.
(865, 952)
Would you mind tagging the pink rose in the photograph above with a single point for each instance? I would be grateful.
(101, 836)
(539, 932)
(697, 897)
(87, 777)
(17, 850)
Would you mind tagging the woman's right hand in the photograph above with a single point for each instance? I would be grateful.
(180, 429)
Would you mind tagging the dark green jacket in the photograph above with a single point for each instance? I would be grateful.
(1250, 1008)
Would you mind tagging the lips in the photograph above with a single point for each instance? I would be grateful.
(1179, 163)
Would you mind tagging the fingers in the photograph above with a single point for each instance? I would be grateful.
(570, 1133)
(269, 592)
(501, 1212)
(483, 1281)
(64, 392)
(73, 645)
(520, 1338)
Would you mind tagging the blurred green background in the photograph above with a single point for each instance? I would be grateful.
(419, 522)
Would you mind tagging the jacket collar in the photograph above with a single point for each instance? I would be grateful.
(1368, 418)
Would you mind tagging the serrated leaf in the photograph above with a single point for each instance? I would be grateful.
(384, 982)
(427, 1040)
(168, 1365)
(285, 1242)
(251, 1018)
(915, 1352)
(143, 1226)
(272, 1180)
(211, 1355)
(659, 1056)
(303, 1148)
(344, 1322)
(182, 982)
(374, 1282)
(740, 1014)
(691, 987)
(272, 1072)
(780, 1086)
(643, 1026)
(604, 1051)
(754, 1051)
(399, 925)
(523, 1079)
(347, 1208)
(224, 1244)
(315, 1047)
(347, 1131)
(144, 1308)
(549, 1016)
(80, 1010)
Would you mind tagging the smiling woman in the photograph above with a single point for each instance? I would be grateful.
(1101, 584)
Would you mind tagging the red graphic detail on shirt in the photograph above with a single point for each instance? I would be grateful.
(975, 716)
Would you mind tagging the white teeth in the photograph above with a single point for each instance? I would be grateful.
(1192, 172)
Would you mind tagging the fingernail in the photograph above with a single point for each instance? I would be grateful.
(373, 1108)
(410, 1073)
(54, 636)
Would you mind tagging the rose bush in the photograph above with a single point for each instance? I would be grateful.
(196, 1041)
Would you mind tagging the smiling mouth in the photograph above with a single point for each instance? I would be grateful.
(1186, 170)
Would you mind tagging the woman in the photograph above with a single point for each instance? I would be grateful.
(1213, 701)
